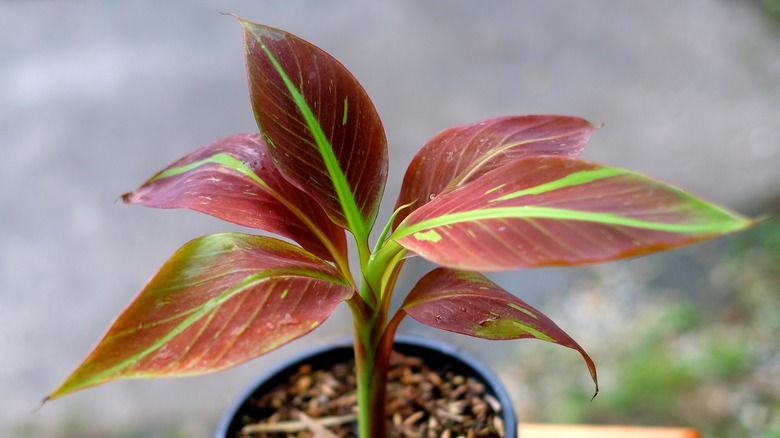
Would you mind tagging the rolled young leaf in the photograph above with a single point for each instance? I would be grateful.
(323, 130)
(219, 301)
(543, 211)
(234, 179)
(470, 304)
(460, 154)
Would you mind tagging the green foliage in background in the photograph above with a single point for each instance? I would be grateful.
(712, 364)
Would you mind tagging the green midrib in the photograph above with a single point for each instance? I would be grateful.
(722, 223)
(346, 198)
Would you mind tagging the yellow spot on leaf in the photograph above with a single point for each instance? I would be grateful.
(507, 328)
(427, 236)
(499, 187)
(526, 311)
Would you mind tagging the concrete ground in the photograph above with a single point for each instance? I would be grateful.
(97, 96)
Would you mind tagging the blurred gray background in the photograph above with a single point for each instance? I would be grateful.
(95, 97)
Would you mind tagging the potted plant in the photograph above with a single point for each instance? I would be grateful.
(504, 193)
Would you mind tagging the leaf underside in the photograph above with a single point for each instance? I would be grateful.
(470, 304)
(323, 130)
(544, 211)
(461, 154)
(219, 301)
(234, 179)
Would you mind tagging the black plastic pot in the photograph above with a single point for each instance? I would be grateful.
(437, 355)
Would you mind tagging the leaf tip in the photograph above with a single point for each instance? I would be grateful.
(761, 219)
(42, 402)
(127, 198)
(57, 393)
(260, 32)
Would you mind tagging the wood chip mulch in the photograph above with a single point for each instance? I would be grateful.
(422, 403)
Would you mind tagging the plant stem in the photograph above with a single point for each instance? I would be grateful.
(371, 358)
(373, 339)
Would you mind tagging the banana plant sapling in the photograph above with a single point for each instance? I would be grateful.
(501, 194)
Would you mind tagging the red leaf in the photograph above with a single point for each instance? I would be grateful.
(290, 80)
(542, 211)
(234, 179)
(461, 154)
(219, 301)
(470, 304)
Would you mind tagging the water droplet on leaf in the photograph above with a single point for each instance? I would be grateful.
(289, 320)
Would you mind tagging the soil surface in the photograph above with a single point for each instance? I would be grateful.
(421, 403)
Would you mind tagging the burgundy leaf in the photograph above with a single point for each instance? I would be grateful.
(219, 301)
(470, 304)
(542, 211)
(461, 154)
(234, 179)
(323, 130)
